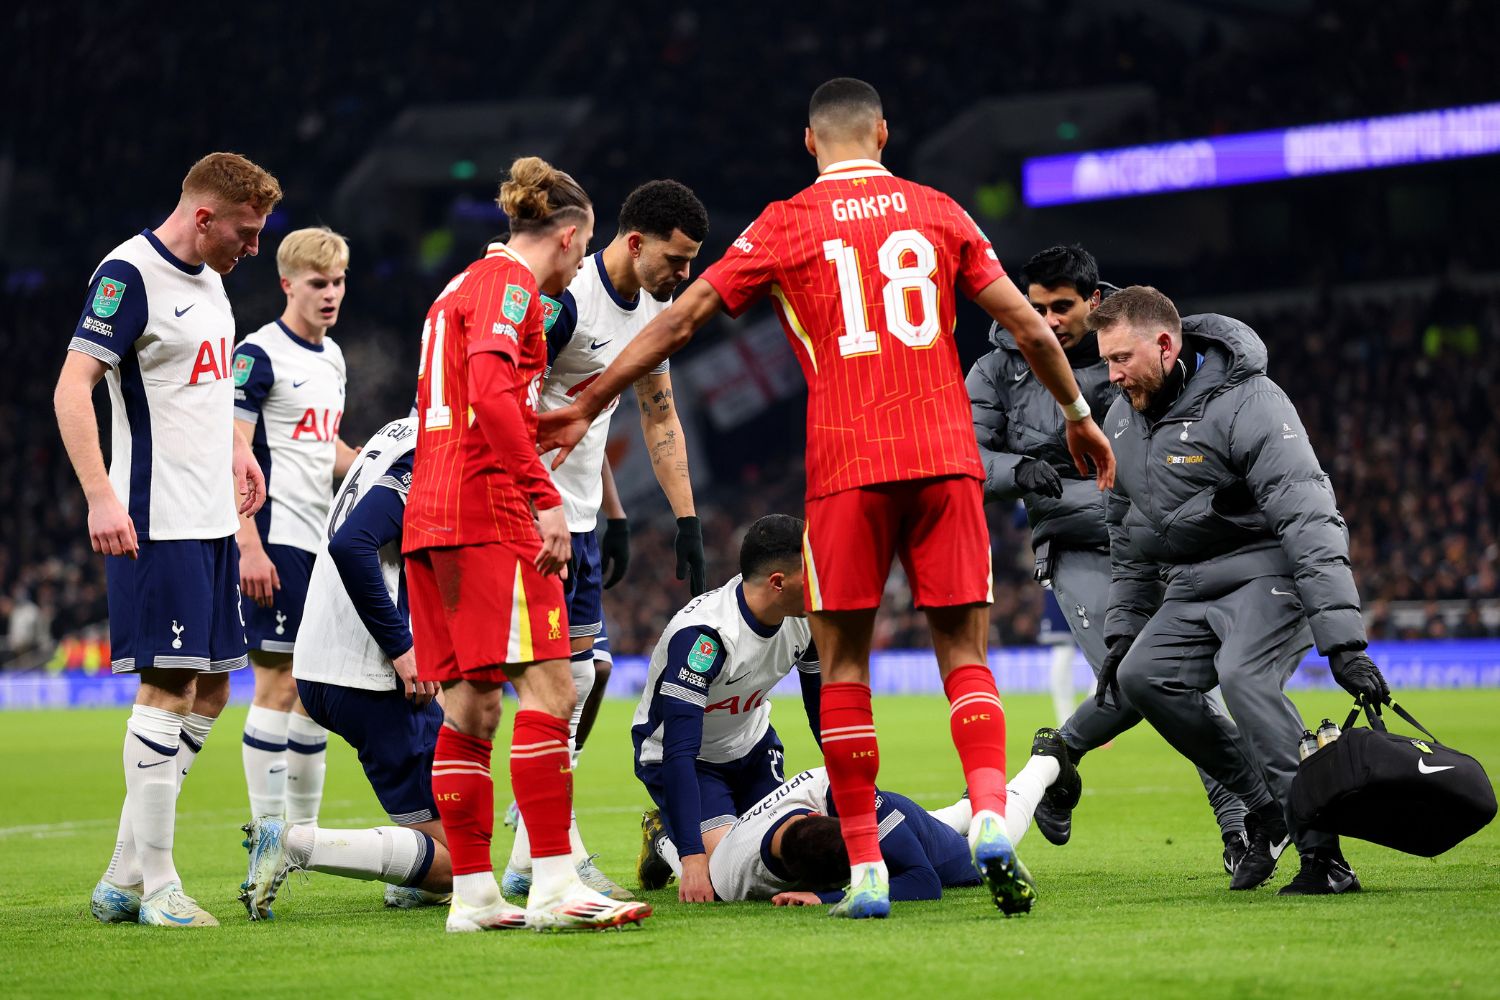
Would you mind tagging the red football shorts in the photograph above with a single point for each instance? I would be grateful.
(477, 608)
(935, 526)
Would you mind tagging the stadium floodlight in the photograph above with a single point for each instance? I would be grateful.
(1252, 157)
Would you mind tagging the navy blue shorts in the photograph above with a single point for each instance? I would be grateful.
(601, 648)
(584, 587)
(176, 606)
(274, 629)
(1055, 630)
(394, 740)
(726, 790)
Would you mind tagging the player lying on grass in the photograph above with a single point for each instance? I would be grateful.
(704, 745)
(356, 676)
(788, 848)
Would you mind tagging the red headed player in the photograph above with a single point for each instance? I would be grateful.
(485, 541)
(861, 266)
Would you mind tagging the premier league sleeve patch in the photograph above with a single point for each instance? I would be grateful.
(107, 297)
(516, 300)
(705, 651)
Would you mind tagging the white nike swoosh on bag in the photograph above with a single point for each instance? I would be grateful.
(1282, 593)
(1425, 769)
(1122, 430)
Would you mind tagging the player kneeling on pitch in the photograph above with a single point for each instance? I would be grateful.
(356, 675)
(704, 745)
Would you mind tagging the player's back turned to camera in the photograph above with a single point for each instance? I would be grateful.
(704, 745)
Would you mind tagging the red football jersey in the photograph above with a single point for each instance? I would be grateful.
(861, 266)
(460, 494)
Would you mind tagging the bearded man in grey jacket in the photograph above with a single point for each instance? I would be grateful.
(1229, 560)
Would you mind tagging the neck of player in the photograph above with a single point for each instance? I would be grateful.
(830, 153)
(762, 599)
(303, 328)
(621, 270)
(179, 236)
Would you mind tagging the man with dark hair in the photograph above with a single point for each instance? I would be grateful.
(863, 266)
(1023, 447)
(617, 290)
(704, 745)
(1226, 543)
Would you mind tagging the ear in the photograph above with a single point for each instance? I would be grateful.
(203, 217)
(286, 285)
(1095, 299)
(809, 142)
(882, 134)
(633, 243)
(568, 234)
(776, 581)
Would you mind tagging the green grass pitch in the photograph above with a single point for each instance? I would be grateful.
(1136, 905)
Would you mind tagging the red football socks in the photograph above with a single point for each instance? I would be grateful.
(541, 775)
(465, 797)
(978, 724)
(853, 760)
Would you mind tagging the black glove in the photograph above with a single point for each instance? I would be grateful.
(1357, 674)
(614, 550)
(1035, 476)
(691, 564)
(1111, 667)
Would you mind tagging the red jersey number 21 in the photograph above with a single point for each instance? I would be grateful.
(908, 262)
(437, 415)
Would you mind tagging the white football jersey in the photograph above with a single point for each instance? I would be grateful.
(738, 868)
(594, 325)
(715, 655)
(292, 390)
(166, 330)
(333, 645)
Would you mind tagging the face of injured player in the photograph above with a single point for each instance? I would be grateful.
(314, 297)
(662, 265)
(225, 233)
(1138, 360)
(1064, 310)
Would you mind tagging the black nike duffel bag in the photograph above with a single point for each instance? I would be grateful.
(1414, 795)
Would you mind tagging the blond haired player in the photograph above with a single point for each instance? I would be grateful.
(157, 327)
(288, 402)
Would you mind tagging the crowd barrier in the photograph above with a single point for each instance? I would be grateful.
(1441, 663)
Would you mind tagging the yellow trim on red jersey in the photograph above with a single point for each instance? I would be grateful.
(518, 646)
(796, 324)
(815, 597)
(850, 169)
(503, 250)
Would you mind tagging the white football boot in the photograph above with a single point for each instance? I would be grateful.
(580, 908)
(115, 904)
(169, 906)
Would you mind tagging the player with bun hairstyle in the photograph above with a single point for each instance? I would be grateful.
(486, 544)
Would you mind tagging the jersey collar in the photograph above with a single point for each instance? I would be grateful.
(169, 256)
(609, 286)
(764, 631)
(849, 169)
(498, 249)
(296, 339)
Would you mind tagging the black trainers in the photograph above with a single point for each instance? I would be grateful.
(1324, 873)
(1266, 831)
(1236, 846)
(651, 868)
(1054, 814)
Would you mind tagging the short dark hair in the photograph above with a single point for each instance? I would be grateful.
(841, 102)
(773, 543)
(656, 208)
(1071, 265)
(1139, 305)
(813, 852)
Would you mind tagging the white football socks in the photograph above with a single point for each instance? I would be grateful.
(668, 852)
(306, 766)
(150, 762)
(581, 665)
(124, 865)
(552, 879)
(264, 756)
(956, 817)
(1061, 673)
(1024, 793)
(476, 888)
(520, 848)
(857, 872)
(384, 854)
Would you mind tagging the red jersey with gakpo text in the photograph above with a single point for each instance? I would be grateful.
(460, 492)
(861, 267)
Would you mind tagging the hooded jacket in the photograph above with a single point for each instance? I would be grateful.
(1016, 418)
(1222, 489)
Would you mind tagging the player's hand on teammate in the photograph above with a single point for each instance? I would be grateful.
(614, 550)
(1038, 478)
(111, 531)
(259, 580)
(1358, 674)
(692, 565)
(1087, 444)
(561, 428)
(796, 899)
(695, 886)
(557, 543)
(1109, 670)
(249, 481)
(419, 693)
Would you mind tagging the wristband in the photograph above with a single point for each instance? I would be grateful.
(1077, 410)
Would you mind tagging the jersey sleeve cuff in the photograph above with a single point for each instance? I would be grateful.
(248, 416)
(392, 483)
(734, 304)
(94, 350)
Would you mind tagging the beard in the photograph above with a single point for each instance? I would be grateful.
(1143, 390)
